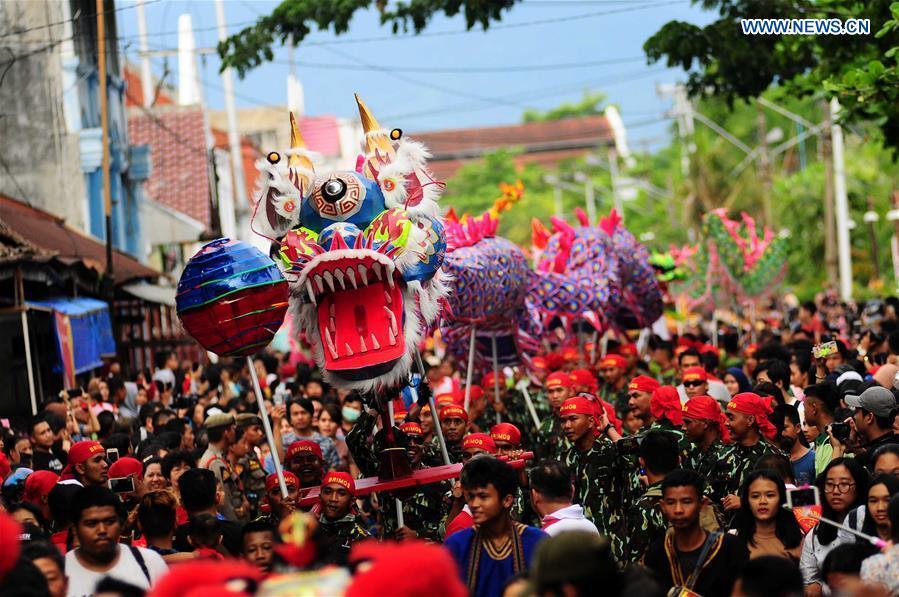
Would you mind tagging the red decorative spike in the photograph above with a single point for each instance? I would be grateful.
(560, 225)
(337, 242)
(581, 216)
(539, 234)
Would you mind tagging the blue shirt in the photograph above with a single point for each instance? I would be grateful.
(494, 569)
(804, 469)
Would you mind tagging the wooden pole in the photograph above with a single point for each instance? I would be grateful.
(267, 427)
(470, 371)
(104, 124)
(830, 230)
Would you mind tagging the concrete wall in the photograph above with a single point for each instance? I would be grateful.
(39, 155)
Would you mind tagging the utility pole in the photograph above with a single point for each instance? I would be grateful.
(104, 126)
(613, 170)
(871, 219)
(146, 74)
(764, 164)
(229, 221)
(830, 239)
(841, 199)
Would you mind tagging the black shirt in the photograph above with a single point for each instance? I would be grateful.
(866, 459)
(48, 461)
(231, 537)
(716, 578)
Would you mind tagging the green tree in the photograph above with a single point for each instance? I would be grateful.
(295, 19)
(858, 69)
(589, 105)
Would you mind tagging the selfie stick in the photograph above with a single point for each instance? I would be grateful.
(400, 522)
(268, 428)
(876, 541)
(434, 414)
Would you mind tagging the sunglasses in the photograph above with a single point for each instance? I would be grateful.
(693, 384)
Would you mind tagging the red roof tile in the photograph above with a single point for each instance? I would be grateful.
(135, 93)
(179, 178)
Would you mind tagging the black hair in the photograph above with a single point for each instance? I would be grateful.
(771, 576)
(117, 441)
(36, 420)
(786, 527)
(175, 425)
(115, 383)
(656, 342)
(809, 306)
(659, 452)
(94, 496)
(107, 421)
(173, 459)
(777, 462)
(37, 550)
(827, 533)
(156, 514)
(146, 412)
(771, 350)
(59, 500)
(803, 358)
(690, 352)
(781, 413)
(778, 371)
(893, 342)
(826, 394)
(892, 484)
(24, 580)
(303, 403)
(168, 439)
(161, 357)
(157, 417)
(847, 558)
(484, 471)
(353, 397)
(766, 388)
(205, 530)
(120, 588)
(884, 449)
(333, 410)
(197, 487)
(684, 478)
(32, 509)
(216, 434)
(551, 479)
(893, 514)
(149, 448)
(151, 460)
(710, 361)
(257, 526)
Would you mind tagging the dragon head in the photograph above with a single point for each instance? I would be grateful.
(362, 251)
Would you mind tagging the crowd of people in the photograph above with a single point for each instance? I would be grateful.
(749, 463)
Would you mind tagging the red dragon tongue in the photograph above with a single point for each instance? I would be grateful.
(361, 319)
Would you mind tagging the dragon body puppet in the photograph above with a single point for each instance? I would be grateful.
(362, 252)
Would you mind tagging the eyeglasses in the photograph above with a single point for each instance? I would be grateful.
(843, 486)
(693, 384)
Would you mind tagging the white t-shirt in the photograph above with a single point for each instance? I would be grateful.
(82, 581)
(570, 518)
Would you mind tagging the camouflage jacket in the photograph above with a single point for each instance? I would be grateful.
(703, 460)
(551, 442)
(517, 413)
(631, 488)
(734, 464)
(595, 487)
(433, 456)
(360, 443)
(424, 512)
(337, 537)
(252, 475)
(617, 398)
(645, 523)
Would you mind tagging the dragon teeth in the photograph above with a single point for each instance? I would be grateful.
(338, 274)
(388, 298)
(330, 343)
(392, 318)
(362, 346)
(376, 267)
(311, 292)
(330, 280)
(349, 351)
(374, 342)
(363, 274)
(320, 283)
(351, 276)
(389, 273)
(391, 336)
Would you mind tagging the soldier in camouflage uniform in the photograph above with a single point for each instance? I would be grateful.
(454, 423)
(339, 526)
(552, 444)
(221, 431)
(614, 389)
(593, 462)
(644, 520)
(279, 506)
(750, 430)
(250, 470)
(704, 427)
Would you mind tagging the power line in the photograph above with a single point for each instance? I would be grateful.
(72, 19)
(473, 69)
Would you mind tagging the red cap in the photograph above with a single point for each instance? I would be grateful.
(453, 410)
(38, 484)
(399, 416)
(571, 354)
(481, 441)
(583, 377)
(506, 432)
(411, 428)
(558, 379)
(78, 453)
(577, 406)
(342, 479)
(644, 383)
(750, 350)
(303, 446)
(665, 403)
(539, 363)
(610, 414)
(290, 480)
(695, 374)
(488, 379)
(707, 408)
(475, 393)
(445, 398)
(628, 350)
(613, 360)
(748, 403)
(125, 467)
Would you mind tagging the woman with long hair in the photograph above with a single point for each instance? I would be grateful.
(329, 422)
(871, 517)
(736, 381)
(843, 485)
(762, 522)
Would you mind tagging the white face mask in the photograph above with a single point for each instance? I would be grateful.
(350, 415)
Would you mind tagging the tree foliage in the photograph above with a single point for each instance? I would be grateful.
(295, 19)
(858, 69)
(590, 104)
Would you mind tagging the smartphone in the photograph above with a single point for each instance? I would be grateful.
(112, 454)
(822, 351)
(629, 445)
(840, 431)
(803, 497)
(280, 397)
(74, 393)
(122, 485)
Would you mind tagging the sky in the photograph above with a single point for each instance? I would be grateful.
(542, 53)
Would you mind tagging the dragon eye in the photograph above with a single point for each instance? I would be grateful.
(389, 185)
(333, 190)
(396, 134)
(273, 157)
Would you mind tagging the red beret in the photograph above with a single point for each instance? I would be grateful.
(748, 403)
(125, 467)
(613, 360)
(506, 432)
(445, 398)
(411, 428)
(643, 383)
(571, 354)
(342, 479)
(481, 441)
(38, 484)
(290, 480)
(577, 406)
(538, 363)
(558, 379)
(303, 446)
(695, 374)
(488, 379)
(628, 350)
(453, 411)
(665, 402)
(583, 377)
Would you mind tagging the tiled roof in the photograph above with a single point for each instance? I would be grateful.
(250, 153)
(40, 237)
(179, 176)
(136, 90)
